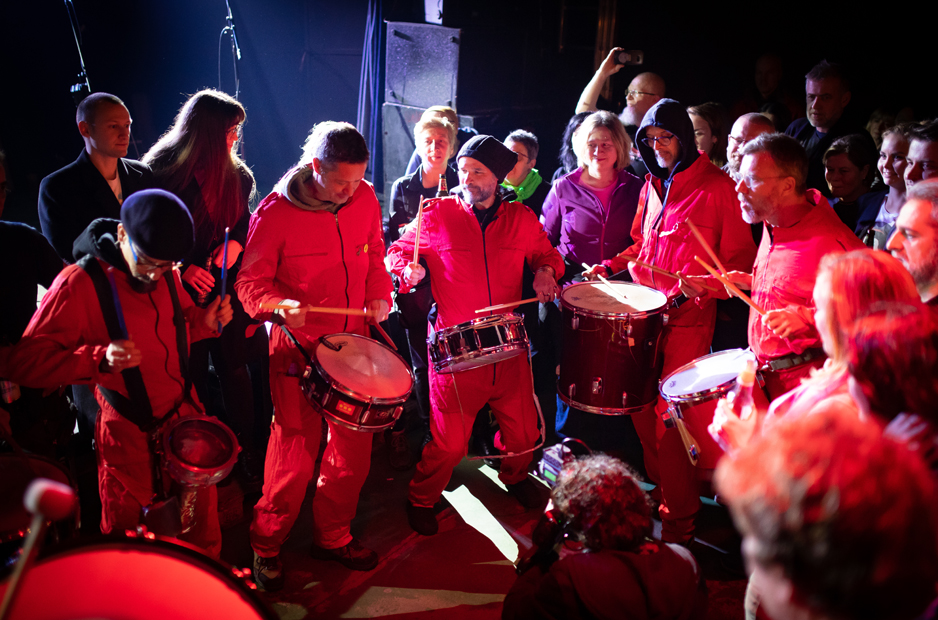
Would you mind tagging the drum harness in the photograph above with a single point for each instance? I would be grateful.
(163, 515)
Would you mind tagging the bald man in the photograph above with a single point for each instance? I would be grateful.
(746, 128)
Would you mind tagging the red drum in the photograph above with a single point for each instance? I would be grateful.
(478, 342)
(17, 471)
(611, 358)
(138, 579)
(358, 383)
(199, 450)
(692, 392)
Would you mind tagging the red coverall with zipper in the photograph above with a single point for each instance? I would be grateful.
(321, 259)
(706, 196)
(468, 270)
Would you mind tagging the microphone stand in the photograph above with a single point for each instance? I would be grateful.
(235, 57)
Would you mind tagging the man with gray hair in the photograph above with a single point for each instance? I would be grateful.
(915, 242)
(316, 240)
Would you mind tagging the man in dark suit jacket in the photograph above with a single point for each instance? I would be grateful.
(97, 182)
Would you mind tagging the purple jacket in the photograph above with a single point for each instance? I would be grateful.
(577, 225)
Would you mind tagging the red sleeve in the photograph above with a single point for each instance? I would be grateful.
(401, 252)
(377, 283)
(255, 284)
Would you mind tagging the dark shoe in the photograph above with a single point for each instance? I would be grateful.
(398, 451)
(527, 494)
(422, 520)
(352, 555)
(268, 573)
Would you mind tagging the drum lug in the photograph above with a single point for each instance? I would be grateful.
(664, 319)
(597, 385)
(575, 322)
(571, 391)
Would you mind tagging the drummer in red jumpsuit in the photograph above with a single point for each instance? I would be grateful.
(476, 246)
(681, 185)
(67, 342)
(316, 240)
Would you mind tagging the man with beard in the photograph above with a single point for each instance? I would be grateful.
(68, 341)
(746, 128)
(476, 245)
(915, 242)
(800, 229)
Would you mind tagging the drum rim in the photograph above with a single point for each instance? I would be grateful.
(446, 366)
(504, 318)
(188, 552)
(349, 425)
(169, 455)
(364, 398)
(703, 395)
(610, 411)
(638, 315)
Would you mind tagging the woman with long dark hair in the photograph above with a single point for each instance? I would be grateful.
(196, 159)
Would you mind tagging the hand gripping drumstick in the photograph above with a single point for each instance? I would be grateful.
(733, 288)
(671, 274)
(405, 287)
(318, 309)
(609, 288)
(706, 246)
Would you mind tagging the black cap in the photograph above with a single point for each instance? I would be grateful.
(491, 153)
(159, 224)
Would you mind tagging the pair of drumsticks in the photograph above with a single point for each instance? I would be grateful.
(330, 310)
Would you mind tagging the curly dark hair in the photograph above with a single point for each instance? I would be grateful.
(602, 504)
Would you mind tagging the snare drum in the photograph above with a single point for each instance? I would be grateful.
(478, 342)
(694, 389)
(198, 450)
(611, 358)
(118, 577)
(357, 382)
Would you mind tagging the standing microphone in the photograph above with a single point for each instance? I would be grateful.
(47, 500)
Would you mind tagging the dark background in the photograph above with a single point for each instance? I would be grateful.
(302, 60)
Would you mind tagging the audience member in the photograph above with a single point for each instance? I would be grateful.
(922, 160)
(849, 172)
(769, 91)
(524, 180)
(746, 128)
(567, 156)
(598, 503)
(828, 93)
(778, 114)
(879, 210)
(683, 186)
(915, 242)
(838, 522)
(710, 130)
(880, 121)
(96, 184)
(463, 134)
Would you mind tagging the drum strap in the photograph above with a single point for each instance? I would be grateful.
(297, 343)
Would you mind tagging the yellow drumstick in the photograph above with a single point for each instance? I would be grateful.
(508, 305)
(706, 247)
(318, 309)
(732, 287)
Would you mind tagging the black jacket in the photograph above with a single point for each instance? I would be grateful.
(71, 198)
(671, 116)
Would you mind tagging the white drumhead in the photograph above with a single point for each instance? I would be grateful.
(596, 297)
(365, 366)
(706, 373)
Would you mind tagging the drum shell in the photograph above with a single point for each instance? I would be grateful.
(120, 577)
(346, 407)
(697, 410)
(191, 475)
(596, 347)
(478, 342)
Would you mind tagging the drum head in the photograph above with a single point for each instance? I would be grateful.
(596, 298)
(705, 373)
(201, 443)
(365, 366)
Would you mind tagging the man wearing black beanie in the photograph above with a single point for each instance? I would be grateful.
(476, 245)
(68, 341)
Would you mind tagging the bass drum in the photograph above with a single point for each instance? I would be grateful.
(133, 579)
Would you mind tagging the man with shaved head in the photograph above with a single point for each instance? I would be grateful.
(746, 128)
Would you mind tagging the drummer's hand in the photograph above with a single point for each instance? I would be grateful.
(545, 285)
(413, 273)
(378, 310)
(741, 279)
(219, 311)
(594, 272)
(199, 279)
(293, 318)
(120, 355)
(785, 323)
(234, 249)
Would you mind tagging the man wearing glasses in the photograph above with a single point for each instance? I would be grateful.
(746, 128)
(68, 341)
(683, 186)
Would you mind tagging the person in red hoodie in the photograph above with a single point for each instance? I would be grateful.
(476, 245)
(682, 185)
(316, 240)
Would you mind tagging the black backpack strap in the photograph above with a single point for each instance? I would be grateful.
(182, 338)
(137, 408)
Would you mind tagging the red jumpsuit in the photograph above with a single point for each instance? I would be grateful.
(783, 278)
(705, 195)
(469, 270)
(65, 343)
(322, 259)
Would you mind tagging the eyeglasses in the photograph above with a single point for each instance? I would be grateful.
(144, 264)
(636, 93)
(663, 141)
(751, 180)
(738, 141)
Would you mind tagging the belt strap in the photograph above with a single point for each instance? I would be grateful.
(794, 359)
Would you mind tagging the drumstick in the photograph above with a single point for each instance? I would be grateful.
(508, 305)
(384, 335)
(676, 276)
(417, 230)
(318, 309)
(732, 287)
(609, 288)
(706, 246)
(224, 272)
